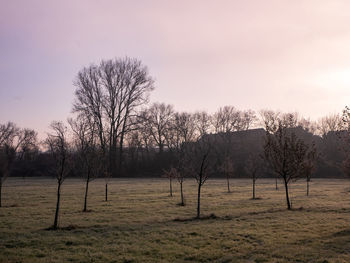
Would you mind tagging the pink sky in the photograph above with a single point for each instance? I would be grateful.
(286, 55)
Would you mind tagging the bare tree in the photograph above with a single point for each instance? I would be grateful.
(14, 143)
(227, 119)
(203, 123)
(89, 157)
(248, 119)
(180, 176)
(309, 167)
(110, 94)
(286, 153)
(182, 130)
(170, 174)
(269, 120)
(158, 119)
(59, 148)
(253, 167)
(227, 168)
(329, 123)
(199, 163)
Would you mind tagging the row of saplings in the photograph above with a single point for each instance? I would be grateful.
(285, 154)
(289, 158)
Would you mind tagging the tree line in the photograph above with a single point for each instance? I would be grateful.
(113, 132)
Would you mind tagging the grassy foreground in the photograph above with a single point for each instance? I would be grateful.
(141, 223)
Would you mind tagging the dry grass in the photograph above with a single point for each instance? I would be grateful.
(141, 223)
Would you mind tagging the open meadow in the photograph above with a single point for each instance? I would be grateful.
(142, 223)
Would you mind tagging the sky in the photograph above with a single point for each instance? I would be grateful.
(252, 54)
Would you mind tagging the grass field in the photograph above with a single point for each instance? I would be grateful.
(141, 223)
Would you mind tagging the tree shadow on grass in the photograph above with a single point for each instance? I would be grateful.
(228, 217)
(64, 228)
(208, 217)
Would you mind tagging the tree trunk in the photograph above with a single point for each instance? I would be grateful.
(170, 187)
(86, 194)
(121, 152)
(182, 195)
(253, 188)
(287, 195)
(228, 184)
(199, 201)
(55, 224)
(0, 192)
(113, 160)
(106, 192)
(307, 187)
(276, 184)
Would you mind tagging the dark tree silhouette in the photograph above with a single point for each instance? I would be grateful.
(254, 167)
(88, 155)
(202, 123)
(227, 168)
(170, 174)
(180, 176)
(309, 167)
(157, 120)
(285, 152)
(199, 163)
(14, 143)
(59, 148)
(110, 93)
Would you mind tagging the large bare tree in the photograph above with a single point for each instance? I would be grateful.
(60, 150)
(110, 93)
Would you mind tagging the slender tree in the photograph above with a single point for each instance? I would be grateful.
(180, 176)
(309, 167)
(88, 155)
(170, 174)
(254, 167)
(59, 148)
(199, 163)
(227, 168)
(286, 153)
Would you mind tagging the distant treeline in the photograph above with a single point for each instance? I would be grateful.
(142, 162)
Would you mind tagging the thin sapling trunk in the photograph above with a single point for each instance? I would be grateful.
(55, 224)
(287, 195)
(106, 195)
(86, 194)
